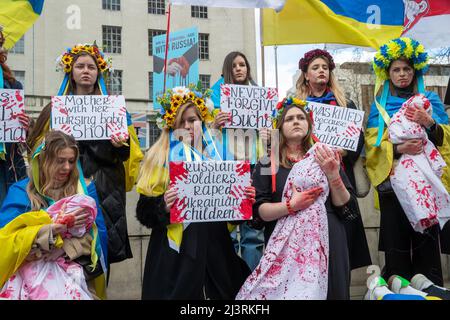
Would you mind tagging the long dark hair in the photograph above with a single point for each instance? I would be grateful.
(227, 69)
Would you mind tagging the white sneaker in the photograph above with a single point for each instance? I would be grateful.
(401, 286)
(377, 289)
(420, 282)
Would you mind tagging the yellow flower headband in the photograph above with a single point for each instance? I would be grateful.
(174, 98)
(278, 111)
(395, 49)
(65, 61)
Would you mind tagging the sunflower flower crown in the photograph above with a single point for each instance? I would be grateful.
(65, 61)
(174, 98)
(278, 111)
(398, 48)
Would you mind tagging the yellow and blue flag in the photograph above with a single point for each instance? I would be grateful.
(16, 17)
(366, 23)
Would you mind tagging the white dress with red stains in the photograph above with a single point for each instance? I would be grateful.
(295, 262)
(54, 280)
(416, 179)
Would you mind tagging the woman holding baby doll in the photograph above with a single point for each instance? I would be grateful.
(42, 211)
(399, 66)
(303, 202)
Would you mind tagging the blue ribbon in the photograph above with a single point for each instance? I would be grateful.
(420, 84)
(102, 85)
(383, 101)
(2, 83)
(63, 86)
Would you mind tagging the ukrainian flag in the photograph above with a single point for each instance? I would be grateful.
(17, 16)
(367, 23)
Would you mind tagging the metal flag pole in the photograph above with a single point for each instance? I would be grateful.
(167, 46)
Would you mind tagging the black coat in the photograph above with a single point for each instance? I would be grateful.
(207, 263)
(12, 169)
(356, 236)
(103, 162)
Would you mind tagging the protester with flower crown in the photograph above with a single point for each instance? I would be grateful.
(399, 66)
(113, 165)
(39, 260)
(302, 194)
(317, 83)
(236, 70)
(12, 166)
(184, 261)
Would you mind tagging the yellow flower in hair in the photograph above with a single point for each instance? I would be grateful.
(67, 68)
(394, 49)
(177, 98)
(191, 96)
(90, 50)
(298, 102)
(67, 59)
(75, 50)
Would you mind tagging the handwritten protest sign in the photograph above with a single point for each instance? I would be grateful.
(337, 126)
(11, 106)
(90, 117)
(210, 191)
(250, 106)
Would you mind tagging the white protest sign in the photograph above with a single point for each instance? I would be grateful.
(210, 191)
(11, 106)
(336, 126)
(90, 117)
(250, 106)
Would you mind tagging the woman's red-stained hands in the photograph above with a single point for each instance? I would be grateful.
(169, 197)
(250, 193)
(53, 255)
(419, 115)
(412, 147)
(328, 160)
(118, 141)
(220, 119)
(24, 120)
(301, 200)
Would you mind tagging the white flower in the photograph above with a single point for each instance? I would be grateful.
(209, 104)
(159, 123)
(182, 91)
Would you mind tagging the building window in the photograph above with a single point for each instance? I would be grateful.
(19, 47)
(152, 33)
(203, 46)
(20, 76)
(154, 133)
(114, 83)
(205, 79)
(113, 5)
(156, 7)
(112, 39)
(150, 85)
(199, 12)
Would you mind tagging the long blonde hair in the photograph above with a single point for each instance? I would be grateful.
(152, 173)
(306, 143)
(304, 90)
(55, 141)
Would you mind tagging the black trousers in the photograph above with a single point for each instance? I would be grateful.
(407, 252)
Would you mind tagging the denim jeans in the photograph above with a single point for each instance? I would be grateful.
(251, 244)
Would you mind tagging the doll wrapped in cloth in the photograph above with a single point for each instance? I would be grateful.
(60, 279)
(295, 262)
(416, 179)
